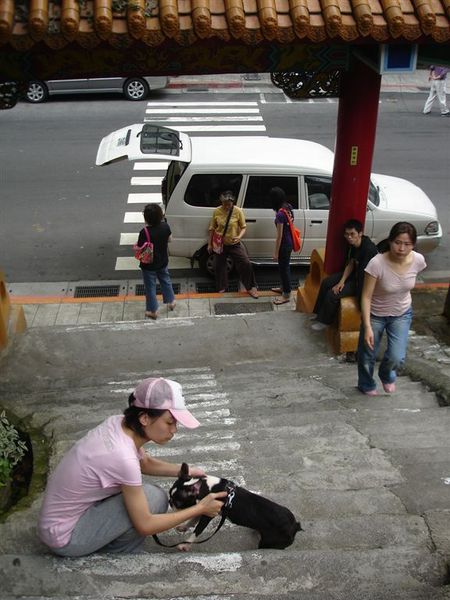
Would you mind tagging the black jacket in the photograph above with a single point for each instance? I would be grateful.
(159, 237)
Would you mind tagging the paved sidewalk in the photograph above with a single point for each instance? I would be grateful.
(50, 311)
(404, 82)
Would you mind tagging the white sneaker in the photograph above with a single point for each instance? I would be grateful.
(313, 317)
(319, 326)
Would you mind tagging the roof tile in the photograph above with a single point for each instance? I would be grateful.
(60, 22)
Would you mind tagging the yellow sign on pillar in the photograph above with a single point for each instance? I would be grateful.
(354, 156)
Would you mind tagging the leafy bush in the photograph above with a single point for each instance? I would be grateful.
(12, 449)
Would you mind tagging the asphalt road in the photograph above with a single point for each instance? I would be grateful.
(61, 217)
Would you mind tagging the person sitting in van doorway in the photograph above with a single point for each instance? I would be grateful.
(349, 282)
(226, 229)
(283, 243)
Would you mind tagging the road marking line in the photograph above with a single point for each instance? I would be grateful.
(129, 263)
(199, 119)
(148, 198)
(178, 111)
(202, 104)
(206, 128)
(134, 217)
(146, 180)
(207, 449)
(128, 239)
(126, 263)
(150, 166)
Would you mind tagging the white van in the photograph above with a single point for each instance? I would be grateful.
(201, 167)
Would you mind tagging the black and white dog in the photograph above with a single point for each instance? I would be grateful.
(276, 524)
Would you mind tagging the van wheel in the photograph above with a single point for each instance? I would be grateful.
(206, 263)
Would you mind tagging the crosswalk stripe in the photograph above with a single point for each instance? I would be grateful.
(134, 217)
(201, 119)
(195, 111)
(148, 198)
(126, 263)
(129, 263)
(219, 127)
(128, 239)
(146, 180)
(150, 166)
(253, 103)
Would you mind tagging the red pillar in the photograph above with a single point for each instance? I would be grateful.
(355, 141)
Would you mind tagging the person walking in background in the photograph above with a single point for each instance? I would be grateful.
(437, 78)
(160, 236)
(228, 222)
(349, 282)
(386, 306)
(283, 243)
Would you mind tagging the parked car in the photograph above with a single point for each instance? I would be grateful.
(133, 88)
(200, 167)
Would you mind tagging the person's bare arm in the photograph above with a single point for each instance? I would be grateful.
(160, 468)
(147, 523)
(278, 241)
(366, 299)
(345, 275)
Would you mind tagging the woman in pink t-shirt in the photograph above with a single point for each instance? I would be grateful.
(386, 306)
(96, 498)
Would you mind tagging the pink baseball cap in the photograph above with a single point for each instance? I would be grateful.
(164, 394)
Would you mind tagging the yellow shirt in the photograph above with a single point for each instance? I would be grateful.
(235, 226)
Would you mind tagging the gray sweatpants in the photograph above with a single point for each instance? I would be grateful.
(106, 526)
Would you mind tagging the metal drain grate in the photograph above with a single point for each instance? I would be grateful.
(237, 308)
(266, 286)
(209, 287)
(96, 291)
(140, 289)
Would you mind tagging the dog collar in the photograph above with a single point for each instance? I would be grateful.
(230, 488)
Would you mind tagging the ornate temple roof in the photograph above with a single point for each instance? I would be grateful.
(122, 23)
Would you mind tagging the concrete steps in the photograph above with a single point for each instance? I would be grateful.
(253, 574)
(366, 476)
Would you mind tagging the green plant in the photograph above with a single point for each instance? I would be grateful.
(12, 449)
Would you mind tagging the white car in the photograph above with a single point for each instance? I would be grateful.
(200, 167)
(133, 88)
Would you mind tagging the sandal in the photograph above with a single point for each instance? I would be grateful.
(172, 305)
(276, 290)
(253, 293)
(151, 315)
(281, 300)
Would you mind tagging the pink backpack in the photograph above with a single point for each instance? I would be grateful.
(144, 253)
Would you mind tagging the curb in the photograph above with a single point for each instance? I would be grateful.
(57, 299)
(206, 84)
(127, 298)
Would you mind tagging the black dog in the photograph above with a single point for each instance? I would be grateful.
(275, 523)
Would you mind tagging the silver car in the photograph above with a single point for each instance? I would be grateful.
(133, 88)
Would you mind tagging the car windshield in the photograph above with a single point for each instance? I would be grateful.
(374, 194)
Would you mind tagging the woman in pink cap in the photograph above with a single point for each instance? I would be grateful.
(96, 499)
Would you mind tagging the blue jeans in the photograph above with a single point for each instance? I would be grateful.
(149, 277)
(284, 269)
(397, 329)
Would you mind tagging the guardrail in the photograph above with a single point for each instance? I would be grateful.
(12, 318)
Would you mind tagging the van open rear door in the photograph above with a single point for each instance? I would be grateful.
(144, 141)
